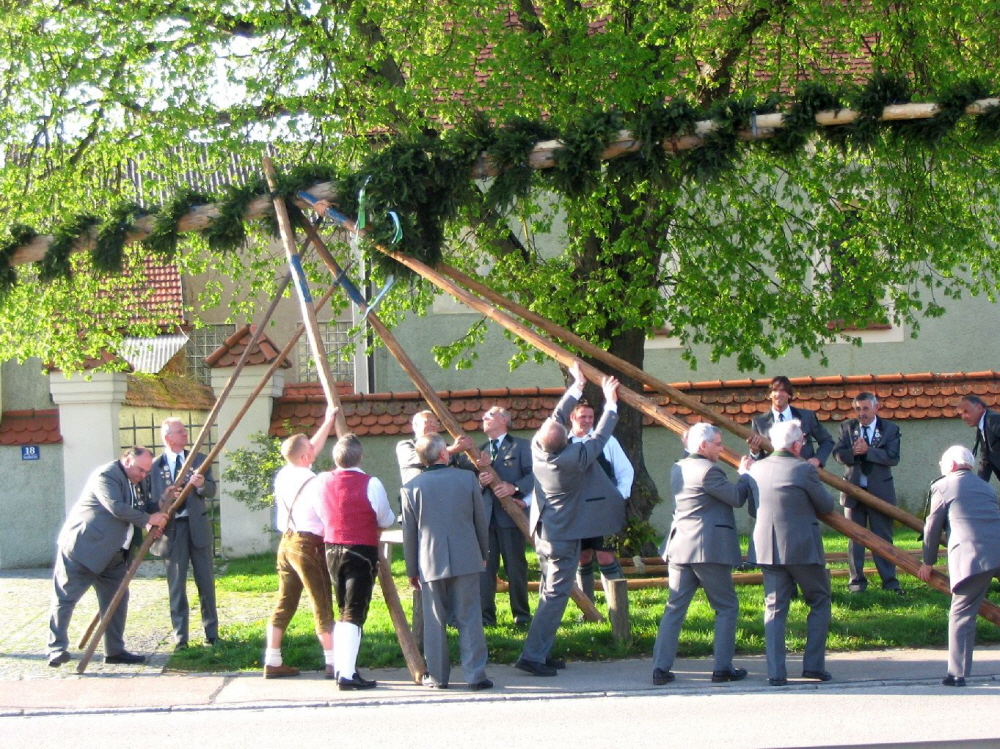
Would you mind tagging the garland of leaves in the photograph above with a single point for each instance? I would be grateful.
(425, 180)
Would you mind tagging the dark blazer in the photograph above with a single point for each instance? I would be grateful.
(704, 526)
(967, 506)
(198, 521)
(791, 497)
(95, 528)
(883, 453)
(819, 443)
(445, 531)
(574, 498)
(513, 465)
(989, 459)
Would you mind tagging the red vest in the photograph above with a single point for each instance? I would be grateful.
(348, 518)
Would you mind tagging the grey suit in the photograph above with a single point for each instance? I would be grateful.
(89, 553)
(819, 443)
(187, 540)
(989, 453)
(790, 551)
(513, 465)
(445, 545)
(574, 499)
(701, 549)
(875, 469)
(967, 506)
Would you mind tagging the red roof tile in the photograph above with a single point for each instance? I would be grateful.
(31, 427)
(229, 353)
(904, 397)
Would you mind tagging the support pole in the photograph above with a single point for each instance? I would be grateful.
(447, 419)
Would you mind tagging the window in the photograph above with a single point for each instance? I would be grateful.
(334, 336)
(203, 342)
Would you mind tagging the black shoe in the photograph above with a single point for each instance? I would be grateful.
(535, 668)
(778, 681)
(489, 623)
(125, 657)
(431, 683)
(818, 675)
(57, 659)
(180, 646)
(481, 685)
(557, 663)
(522, 623)
(730, 674)
(897, 591)
(950, 681)
(355, 682)
(212, 641)
(661, 677)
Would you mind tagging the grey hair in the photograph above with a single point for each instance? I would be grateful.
(429, 448)
(347, 451)
(698, 433)
(959, 455)
(784, 434)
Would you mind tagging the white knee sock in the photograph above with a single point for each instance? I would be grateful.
(346, 644)
(272, 657)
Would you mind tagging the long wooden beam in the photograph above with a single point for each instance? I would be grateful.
(838, 522)
(541, 157)
(678, 397)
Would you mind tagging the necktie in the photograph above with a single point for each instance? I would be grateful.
(979, 441)
(494, 449)
(781, 417)
(868, 436)
(178, 464)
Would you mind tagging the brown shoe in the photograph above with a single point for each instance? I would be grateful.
(330, 673)
(279, 672)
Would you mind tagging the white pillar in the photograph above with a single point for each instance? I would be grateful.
(244, 531)
(88, 421)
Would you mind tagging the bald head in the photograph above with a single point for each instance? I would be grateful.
(551, 436)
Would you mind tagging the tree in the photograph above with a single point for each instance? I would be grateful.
(746, 249)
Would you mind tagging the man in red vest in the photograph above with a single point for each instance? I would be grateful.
(354, 508)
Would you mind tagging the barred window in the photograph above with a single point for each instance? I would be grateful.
(203, 342)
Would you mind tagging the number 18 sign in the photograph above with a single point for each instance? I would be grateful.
(30, 452)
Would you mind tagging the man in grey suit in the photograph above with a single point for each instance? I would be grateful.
(967, 506)
(973, 411)
(445, 534)
(790, 550)
(424, 423)
(92, 550)
(187, 539)
(510, 457)
(868, 447)
(818, 443)
(701, 549)
(574, 499)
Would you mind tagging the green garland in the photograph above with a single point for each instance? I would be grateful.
(424, 180)
(108, 254)
(20, 235)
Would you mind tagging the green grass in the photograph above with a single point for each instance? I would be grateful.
(873, 620)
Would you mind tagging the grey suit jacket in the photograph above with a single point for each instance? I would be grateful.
(791, 496)
(883, 453)
(445, 531)
(513, 465)
(819, 443)
(96, 526)
(198, 521)
(967, 506)
(704, 526)
(574, 498)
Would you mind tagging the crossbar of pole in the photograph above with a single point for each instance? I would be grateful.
(175, 505)
(448, 420)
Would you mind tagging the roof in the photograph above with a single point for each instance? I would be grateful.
(168, 391)
(902, 396)
(30, 427)
(229, 353)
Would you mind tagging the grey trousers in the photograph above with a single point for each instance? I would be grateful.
(779, 585)
(182, 555)
(70, 581)
(684, 581)
(558, 560)
(965, 600)
(881, 525)
(506, 544)
(456, 597)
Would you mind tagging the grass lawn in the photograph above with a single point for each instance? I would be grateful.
(872, 620)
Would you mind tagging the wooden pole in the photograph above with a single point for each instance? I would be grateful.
(444, 414)
(839, 523)
(148, 541)
(676, 396)
(616, 592)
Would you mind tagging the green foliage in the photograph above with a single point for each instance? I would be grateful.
(8, 276)
(165, 236)
(252, 470)
(108, 255)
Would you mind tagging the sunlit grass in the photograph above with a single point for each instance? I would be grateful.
(872, 620)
